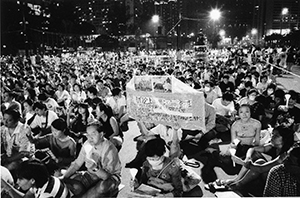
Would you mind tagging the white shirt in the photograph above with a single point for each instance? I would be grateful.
(41, 120)
(166, 133)
(116, 104)
(221, 109)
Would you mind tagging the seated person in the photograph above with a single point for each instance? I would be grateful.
(14, 142)
(225, 106)
(247, 131)
(118, 104)
(111, 127)
(288, 114)
(160, 171)
(256, 172)
(171, 135)
(50, 103)
(35, 181)
(62, 148)
(283, 179)
(101, 158)
(40, 123)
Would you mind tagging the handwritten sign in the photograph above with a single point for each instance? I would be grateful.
(165, 100)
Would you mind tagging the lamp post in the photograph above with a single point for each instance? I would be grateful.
(155, 20)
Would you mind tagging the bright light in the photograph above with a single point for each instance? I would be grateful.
(285, 11)
(155, 18)
(215, 14)
(222, 33)
(254, 31)
(192, 34)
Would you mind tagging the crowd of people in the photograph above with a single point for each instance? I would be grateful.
(63, 119)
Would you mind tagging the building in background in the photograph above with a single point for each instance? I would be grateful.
(281, 16)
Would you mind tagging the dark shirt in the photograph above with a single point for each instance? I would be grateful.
(226, 87)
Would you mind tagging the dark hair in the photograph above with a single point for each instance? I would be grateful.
(28, 101)
(248, 84)
(228, 96)
(287, 135)
(252, 91)
(294, 94)
(32, 93)
(279, 93)
(33, 169)
(106, 108)
(116, 91)
(13, 113)
(60, 124)
(209, 82)
(62, 85)
(39, 105)
(77, 85)
(42, 97)
(155, 147)
(271, 86)
(92, 90)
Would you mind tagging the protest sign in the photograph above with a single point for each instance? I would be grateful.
(165, 100)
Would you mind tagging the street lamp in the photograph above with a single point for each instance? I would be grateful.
(215, 14)
(155, 18)
(254, 32)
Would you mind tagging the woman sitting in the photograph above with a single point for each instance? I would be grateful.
(110, 125)
(282, 140)
(245, 133)
(14, 142)
(61, 147)
(160, 171)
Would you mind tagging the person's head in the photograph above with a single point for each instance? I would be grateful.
(248, 85)
(263, 79)
(11, 118)
(28, 103)
(252, 94)
(154, 150)
(208, 86)
(83, 108)
(225, 79)
(8, 96)
(77, 87)
(282, 138)
(271, 89)
(103, 109)
(293, 99)
(227, 98)
(94, 133)
(100, 83)
(59, 128)
(116, 92)
(61, 87)
(244, 112)
(39, 108)
(42, 97)
(279, 96)
(92, 92)
(32, 173)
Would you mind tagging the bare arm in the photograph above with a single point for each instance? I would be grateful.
(114, 125)
(257, 133)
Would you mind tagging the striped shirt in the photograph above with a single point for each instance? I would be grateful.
(54, 188)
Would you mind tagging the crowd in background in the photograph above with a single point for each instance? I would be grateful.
(69, 112)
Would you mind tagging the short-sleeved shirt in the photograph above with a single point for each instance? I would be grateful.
(17, 141)
(53, 188)
(42, 121)
(105, 155)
